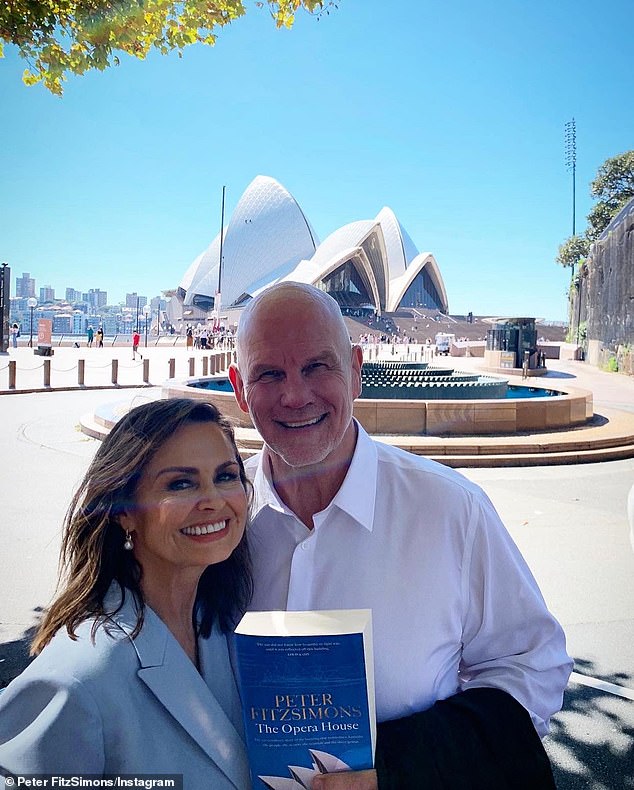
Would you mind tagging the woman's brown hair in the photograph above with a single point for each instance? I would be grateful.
(92, 554)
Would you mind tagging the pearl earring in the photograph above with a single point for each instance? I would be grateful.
(128, 545)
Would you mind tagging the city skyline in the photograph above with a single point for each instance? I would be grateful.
(144, 298)
(453, 116)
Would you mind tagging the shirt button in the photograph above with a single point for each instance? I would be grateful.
(305, 545)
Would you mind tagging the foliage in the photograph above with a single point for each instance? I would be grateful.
(612, 364)
(615, 178)
(614, 187)
(60, 37)
(573, 250)
(581, 337)
(598, 219)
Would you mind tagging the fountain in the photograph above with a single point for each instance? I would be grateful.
(417, 399)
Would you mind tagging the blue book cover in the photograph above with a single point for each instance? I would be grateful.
(307, 689)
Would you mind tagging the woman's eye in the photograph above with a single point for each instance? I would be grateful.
(179, 485)
(227, 477)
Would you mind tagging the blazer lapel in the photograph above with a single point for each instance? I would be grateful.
(172, 678)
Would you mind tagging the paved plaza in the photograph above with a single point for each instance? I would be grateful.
(569, 521)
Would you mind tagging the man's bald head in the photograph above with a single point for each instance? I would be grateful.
(293, 298)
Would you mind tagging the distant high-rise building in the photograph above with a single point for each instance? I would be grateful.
(25, 285)
(79, 322)
(133, 300)
(47, 294)
(97, 298)
(73, 296)
(62, 324)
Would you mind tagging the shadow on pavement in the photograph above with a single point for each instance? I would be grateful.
(591, 743)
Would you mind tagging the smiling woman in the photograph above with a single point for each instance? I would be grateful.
(187, 512)
(157, 572)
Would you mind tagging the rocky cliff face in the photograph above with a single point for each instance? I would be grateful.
(607, 285)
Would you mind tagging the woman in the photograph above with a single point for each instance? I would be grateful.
(133, 673)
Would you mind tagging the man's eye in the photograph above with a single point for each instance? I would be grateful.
(315, 366)
(270, 375)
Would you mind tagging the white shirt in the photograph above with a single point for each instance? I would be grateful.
(454, 605)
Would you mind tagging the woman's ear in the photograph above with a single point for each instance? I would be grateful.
(125, 520)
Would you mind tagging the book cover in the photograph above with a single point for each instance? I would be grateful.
(307, 689)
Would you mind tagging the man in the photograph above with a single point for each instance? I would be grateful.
(469, 664)
(136, 339)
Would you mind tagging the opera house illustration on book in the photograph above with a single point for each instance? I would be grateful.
(302, 778)
(368, 266)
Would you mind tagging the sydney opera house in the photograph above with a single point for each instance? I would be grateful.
(369, 266)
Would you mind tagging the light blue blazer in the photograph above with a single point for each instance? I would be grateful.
(126, 706)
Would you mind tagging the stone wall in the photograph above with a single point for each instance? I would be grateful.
(606, 289)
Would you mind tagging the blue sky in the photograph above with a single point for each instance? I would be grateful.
(452, 114)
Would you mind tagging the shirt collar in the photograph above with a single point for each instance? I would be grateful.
(357, 493)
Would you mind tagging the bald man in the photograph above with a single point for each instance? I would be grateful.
(469, 663)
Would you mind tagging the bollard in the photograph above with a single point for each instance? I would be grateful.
(192, 365)
(214, 365)
(172, 372)
(146, 371)
(47, 372)
(12, 371)
(227, 360)
(81, 369)
(205, 365)
(115, 371)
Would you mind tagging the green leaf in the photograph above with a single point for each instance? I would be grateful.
(61, 37)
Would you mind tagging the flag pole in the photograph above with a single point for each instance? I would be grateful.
(218, 298)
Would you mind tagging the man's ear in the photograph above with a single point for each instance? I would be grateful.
(238, 386)
(357, 362)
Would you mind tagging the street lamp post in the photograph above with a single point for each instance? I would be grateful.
(32, 304)
(147, 310)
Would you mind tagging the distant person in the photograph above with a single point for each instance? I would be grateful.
(136, 339)
(134, 674)
(14, 331)
(99, 337)
(469, 664)
(89, 336)
(190, 337)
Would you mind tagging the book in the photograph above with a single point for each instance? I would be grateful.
(307, 689)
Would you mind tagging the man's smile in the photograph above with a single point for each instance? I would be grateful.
(302, 423)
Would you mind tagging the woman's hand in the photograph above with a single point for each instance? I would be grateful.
(347, 780)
